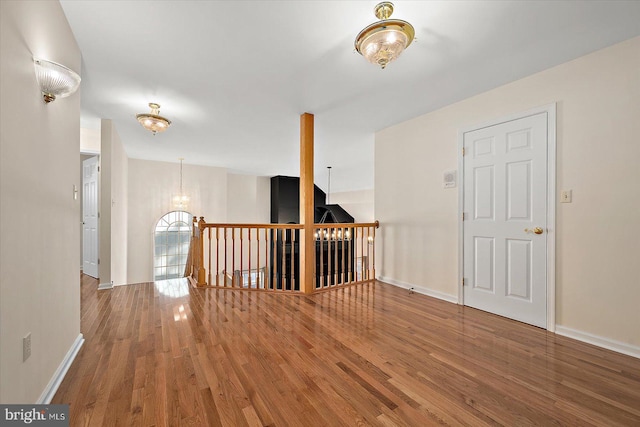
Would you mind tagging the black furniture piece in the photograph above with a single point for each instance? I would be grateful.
(335, 257)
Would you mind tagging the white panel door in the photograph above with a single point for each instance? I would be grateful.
(90, 216)
(505, 219)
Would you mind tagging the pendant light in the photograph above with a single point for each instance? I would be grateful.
(181, 201)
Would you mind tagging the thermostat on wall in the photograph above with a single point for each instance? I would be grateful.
(449, 179)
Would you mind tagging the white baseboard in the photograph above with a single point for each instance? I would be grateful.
(617, 346)
(58, 376)
(103, 286)
(420, 289)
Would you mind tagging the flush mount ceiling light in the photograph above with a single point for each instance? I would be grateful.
(153, 122)
(55, 80)
(384, 41)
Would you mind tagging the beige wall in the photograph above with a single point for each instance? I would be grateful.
(113, 207)
(152, 186)
(358, 203)
(90, 141)
(119, 210)
(598, 152)
(248, 199)
(39, 161)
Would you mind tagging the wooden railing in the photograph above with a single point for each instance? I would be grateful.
(267, 256)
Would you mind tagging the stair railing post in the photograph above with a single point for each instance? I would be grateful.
(307, 243)
(201, 270)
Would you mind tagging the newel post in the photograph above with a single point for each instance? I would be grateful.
(307, 243)
(201, 273)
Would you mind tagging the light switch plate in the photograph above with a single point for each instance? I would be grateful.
(565, 196)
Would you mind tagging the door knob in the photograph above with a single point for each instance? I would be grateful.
(537, 230)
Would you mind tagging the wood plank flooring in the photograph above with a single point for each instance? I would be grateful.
(167, 354)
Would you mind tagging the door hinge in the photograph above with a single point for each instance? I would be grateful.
(98, 214)
(463, 151)
(98, 261)
(98, 168)
(463, 281)
(463, 216)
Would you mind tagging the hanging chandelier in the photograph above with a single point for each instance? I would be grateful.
(153, 122)
(384, 41)
(181, 201)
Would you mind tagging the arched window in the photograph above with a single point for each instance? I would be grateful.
(171, 241)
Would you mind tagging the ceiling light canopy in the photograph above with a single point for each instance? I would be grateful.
(153, 122)
(55, 80)
(384, 41)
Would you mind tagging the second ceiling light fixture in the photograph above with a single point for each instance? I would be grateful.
(384, 41)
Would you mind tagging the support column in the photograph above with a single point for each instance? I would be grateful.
(307, 244)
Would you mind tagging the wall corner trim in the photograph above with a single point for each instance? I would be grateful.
(609, 344)
(51, 388)
(103, 286)
(419, 289)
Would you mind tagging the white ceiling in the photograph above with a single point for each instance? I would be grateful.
(234, 76)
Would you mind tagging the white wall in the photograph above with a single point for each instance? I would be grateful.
(39, 162)
(598, 235)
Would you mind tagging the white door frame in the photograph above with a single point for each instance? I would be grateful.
(550, 110)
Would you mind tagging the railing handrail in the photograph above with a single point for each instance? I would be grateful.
(203, 225)
(343, 255)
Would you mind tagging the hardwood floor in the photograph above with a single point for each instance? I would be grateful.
(167, 354)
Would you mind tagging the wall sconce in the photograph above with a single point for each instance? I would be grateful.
(55, 80)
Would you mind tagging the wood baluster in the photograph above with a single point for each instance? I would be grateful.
(373, 249)
(217, 256)
(281, 234)
(361, 253)
(258, 281)
(343, 272)
(329, 259)
(233, 257)
(293, 259)
(336, 273)
(350, 266)
(368, 254)
(209, 234)
(226, 267)
(194, 246)
(268, 283)
(320, 247)
(274, 257)
(249, 240)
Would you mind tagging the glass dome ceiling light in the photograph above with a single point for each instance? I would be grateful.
(384, 41)
(153, 122)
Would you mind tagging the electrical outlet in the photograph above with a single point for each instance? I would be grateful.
(565, 196)
(26, 347)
